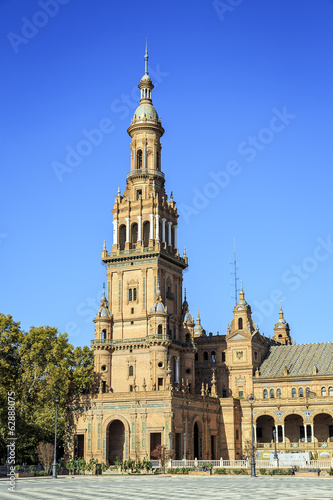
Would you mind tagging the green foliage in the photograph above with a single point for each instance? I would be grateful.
(240, 472)
(103, 466)
(280, 472)
(263, 472)
(18, 468)
(91, 464)
(146, 464)
(178, 470)
(36, 365)
(118, 462)
(220, 471)
(330, 472)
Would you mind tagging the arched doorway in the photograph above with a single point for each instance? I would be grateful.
(323, 427)
(116, 441)
(146, 229)
(197, 442)
(294, 428)
(264, 429)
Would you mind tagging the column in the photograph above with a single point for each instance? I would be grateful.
(305, 438)
(283, 435)
(151, 235)
(169, 233)
(255, 432)
(127, 230)
(177, 370)
(175, 236)
(312, 433)
(157, 217)
(115, 232)
(139, 228)
(163, 230)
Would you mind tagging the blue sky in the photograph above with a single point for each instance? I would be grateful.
(244, 90)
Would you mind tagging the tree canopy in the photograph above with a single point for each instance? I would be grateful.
(36, 365)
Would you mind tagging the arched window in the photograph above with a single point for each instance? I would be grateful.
(122, 236)
(146, 229)
(131, 294)
(103, 334)
(265, 394)
(159, 329)
(330, 391)
(293, 393)
(139, 159)
(213, 356)
(196, 357)
(134, 234)
(130, 371)
(271, 393)
(205, 356)
(187, 338)
(307, 391)
(278, 393)
(300, 392)
(240, 324)
(323, 391)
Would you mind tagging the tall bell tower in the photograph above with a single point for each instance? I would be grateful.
(145, 323)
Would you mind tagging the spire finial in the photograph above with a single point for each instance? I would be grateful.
(118, 190)
(103, 290)
(185, 295)
(104, 245)
(146, 58)
(281, 306)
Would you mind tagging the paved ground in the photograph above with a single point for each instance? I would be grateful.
(169, 488)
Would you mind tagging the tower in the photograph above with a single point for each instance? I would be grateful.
(282, 330)
(146, 322)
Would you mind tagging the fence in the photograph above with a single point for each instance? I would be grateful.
(246, 464)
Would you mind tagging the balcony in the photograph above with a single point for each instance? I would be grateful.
(145, 171)
(140, 340)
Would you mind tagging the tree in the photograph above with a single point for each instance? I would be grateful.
(38, 364)
(11, 337)
(162, 454)
(45, 455)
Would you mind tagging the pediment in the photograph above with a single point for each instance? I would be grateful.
(238, 336)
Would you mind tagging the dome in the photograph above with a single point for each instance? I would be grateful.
(104, 313)
(159, 307)
(282, 320)
(243, 302)
(188, 317)
(145, 110)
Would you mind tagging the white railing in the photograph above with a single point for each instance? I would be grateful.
(260, 464)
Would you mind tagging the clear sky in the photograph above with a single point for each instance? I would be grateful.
(244, 90)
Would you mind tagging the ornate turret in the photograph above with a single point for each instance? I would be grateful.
(242, 316)
(282, 330)
(198, 330)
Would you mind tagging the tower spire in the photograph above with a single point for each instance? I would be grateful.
(146, 58)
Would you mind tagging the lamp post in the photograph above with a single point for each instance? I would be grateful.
(184, 458)
(251, 398)
(274, 437)
(54, 468)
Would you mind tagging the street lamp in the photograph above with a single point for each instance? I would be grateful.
(274, 437)
(54, 468)
(184, 446)
(251, 398)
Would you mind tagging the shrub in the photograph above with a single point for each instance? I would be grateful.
(262, 472)
(220, 471)
(240, 472)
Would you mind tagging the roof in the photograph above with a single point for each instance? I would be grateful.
(299, 360)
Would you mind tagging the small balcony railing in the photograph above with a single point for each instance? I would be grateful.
(145, 171)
